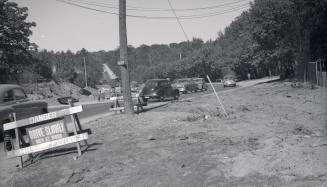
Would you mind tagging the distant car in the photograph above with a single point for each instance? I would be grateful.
(14, 100)
(160, 89)
(185, 85)
(84, 91)
(64, 100)
(201, 84)
(229, 82)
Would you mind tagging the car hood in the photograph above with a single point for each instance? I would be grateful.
(179, 85)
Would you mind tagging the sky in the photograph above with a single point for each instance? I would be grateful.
(62, 27)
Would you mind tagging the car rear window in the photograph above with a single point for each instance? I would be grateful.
(150, 84)
(198, 81)
(163, 83)
(19, 94)
(182, 81)
(8, 96)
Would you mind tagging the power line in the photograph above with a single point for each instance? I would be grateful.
(196, 16)
(180, 24)
(137, 8)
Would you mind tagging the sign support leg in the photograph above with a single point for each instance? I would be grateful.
(20, 158)
(79, 127)
(75, 130)
(75, 133)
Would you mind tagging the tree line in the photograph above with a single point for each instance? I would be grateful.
(273, 37)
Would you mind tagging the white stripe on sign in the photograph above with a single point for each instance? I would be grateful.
(47, 145)
(75, 109)
(42, 117)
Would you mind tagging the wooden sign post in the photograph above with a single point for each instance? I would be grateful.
(137, 101)
(46, 131)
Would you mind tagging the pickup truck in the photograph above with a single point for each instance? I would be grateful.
(13, 99)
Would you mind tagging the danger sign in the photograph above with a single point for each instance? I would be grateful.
(47, 132)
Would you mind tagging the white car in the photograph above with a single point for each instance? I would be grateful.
(229, 82)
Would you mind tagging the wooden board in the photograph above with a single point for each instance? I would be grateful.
(117, 108)
(47, 132)
(47, 145)
(42, 118)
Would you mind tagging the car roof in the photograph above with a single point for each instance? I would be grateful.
(229, 77)
(157, 80)
(6, 87)
(183, 79)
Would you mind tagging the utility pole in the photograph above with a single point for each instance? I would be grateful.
(85, 74)
(128, 103)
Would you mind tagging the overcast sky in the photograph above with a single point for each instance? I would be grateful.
(61, 26)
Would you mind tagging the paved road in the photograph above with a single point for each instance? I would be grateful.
(95, 110)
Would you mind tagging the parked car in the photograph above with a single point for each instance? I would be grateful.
(160, 89)
(185, 85)
(201, 84)
(14, 100)
(64, 100)
(84, 91)
(229, 81)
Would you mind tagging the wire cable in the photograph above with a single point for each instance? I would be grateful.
(182, 17)
(137, 8)
(180, 24)
(196, 16)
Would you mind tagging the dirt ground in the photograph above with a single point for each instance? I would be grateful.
(275, 135)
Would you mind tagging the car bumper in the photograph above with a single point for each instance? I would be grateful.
(181, 89)
(150, 97)
(229, 85)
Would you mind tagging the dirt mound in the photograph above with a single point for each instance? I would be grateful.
(51, 89)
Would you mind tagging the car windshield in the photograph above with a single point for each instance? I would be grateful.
(198, 80)
(156, 83)
(229, 78)
(181, 81)
(151, 83)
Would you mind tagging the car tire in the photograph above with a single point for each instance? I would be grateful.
(1, 134)
(44, 111)
(7, 138)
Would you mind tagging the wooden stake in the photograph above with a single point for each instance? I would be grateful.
(222, 106)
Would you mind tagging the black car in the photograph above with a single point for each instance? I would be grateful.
(159, 89)
(64, 100)
(13, 99)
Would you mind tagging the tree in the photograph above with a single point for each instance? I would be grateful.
(14, 41)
